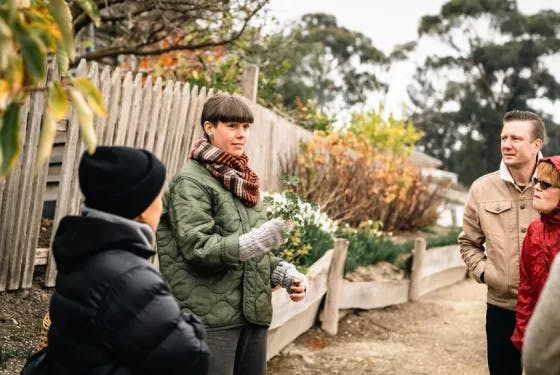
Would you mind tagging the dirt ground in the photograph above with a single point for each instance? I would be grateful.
(442, 333)
(21, 317)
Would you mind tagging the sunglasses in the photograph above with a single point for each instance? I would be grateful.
(544, 185)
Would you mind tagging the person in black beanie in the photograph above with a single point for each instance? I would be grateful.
(111, 311)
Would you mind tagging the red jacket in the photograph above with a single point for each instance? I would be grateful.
(541, 244)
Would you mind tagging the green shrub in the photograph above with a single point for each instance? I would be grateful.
(366, 247)
(320, 242)
(398, 136)
(449, 238)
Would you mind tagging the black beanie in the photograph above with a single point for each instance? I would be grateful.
(120, 180)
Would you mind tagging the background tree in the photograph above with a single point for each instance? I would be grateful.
(221, 67)
(319, 61)
(153, 27)
(495, 61)
(304, 69)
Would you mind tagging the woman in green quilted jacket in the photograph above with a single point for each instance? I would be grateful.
(214, 242)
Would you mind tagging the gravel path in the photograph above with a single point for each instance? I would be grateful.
(442, 333)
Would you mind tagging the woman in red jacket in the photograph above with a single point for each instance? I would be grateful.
(541, 244)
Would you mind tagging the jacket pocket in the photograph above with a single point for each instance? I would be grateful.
(495, 219)
(497, 208)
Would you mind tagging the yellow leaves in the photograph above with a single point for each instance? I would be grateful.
(60, 12)
(4, 94)
(58, 102)
(57, 109)
(90, 7)
(85, 119)
(15, 75)
(33, 29)
(390, 135)
(48, 133)
(5, 44)
(62, 59)
(305, 249)
(43, 24)
(295, 239)
(92, 94)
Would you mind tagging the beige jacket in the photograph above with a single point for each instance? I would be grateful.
(497, 214)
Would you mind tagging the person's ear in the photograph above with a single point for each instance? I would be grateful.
(209, 128)
(141, 218)
(539, 144)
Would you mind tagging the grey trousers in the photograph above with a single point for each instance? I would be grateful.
(238, 351)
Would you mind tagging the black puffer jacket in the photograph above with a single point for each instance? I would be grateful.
(111, 311)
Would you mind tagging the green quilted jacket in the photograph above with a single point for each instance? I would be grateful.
(198, 247)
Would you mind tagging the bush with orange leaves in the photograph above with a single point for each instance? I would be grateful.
(353, 183)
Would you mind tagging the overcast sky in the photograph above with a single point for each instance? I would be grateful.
(388, 23)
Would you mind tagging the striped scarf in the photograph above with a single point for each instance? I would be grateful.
(233, 172)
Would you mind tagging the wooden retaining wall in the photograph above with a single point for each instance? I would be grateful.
(432, 269)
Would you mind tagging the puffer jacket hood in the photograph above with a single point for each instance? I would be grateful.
(79, 237)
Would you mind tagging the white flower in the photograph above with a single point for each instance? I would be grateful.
(306, 213)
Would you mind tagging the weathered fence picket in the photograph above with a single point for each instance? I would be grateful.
(19, 194)
(68, 178)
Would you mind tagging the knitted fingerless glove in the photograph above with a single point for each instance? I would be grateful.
(260, 240)
(284, 275)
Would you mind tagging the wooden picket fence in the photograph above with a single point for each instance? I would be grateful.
(163, 117)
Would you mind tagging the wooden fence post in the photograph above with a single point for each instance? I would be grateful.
(415, 273)
(250, 82)
(329, 315)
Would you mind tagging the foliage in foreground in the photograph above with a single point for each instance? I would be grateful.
(29, 31)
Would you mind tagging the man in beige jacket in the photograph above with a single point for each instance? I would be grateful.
(497, 213)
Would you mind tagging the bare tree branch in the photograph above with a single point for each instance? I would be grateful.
(152, 27)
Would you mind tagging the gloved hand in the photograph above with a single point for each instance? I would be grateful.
(260, 240)
(285, 273)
